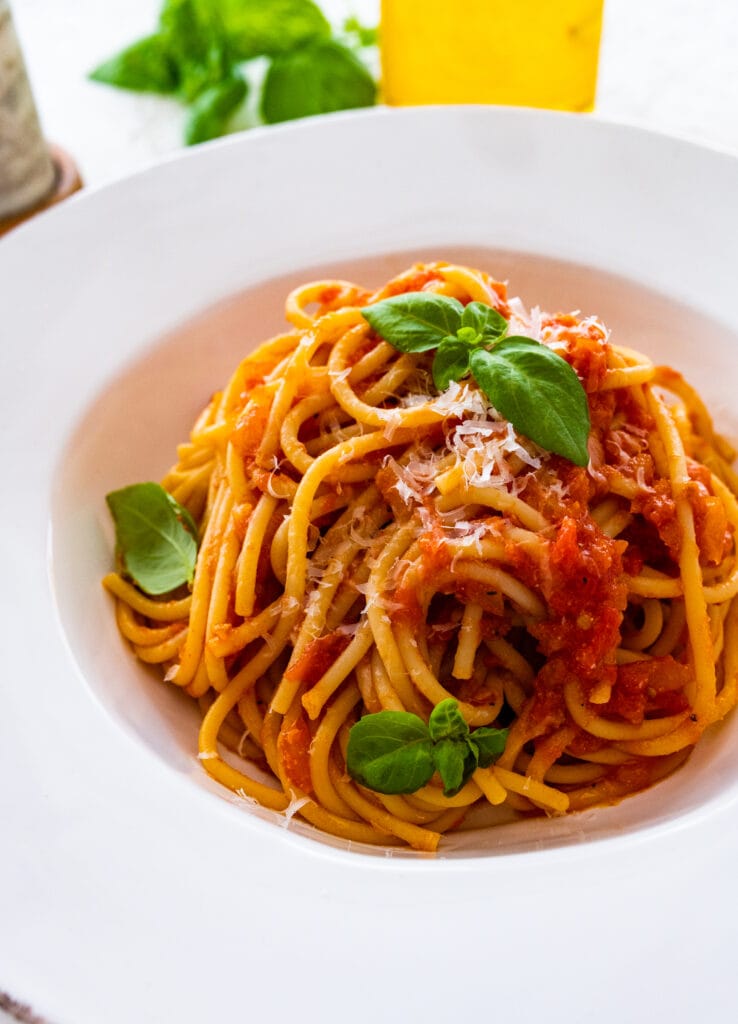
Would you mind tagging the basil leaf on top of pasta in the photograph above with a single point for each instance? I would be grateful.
(532, 386)
(156, 538)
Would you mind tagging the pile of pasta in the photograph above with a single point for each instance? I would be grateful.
(369, 544)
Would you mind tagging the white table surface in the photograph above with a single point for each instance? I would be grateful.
(668, 65)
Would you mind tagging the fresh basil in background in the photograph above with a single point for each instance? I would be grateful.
(318, 78)
(204, 53)
(395, 752)
(527, 383)
(155, 537)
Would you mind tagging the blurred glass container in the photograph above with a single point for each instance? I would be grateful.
(534, 53)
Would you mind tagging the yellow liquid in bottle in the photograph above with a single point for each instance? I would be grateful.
(534, 53)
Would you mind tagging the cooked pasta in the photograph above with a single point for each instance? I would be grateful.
(369, 544)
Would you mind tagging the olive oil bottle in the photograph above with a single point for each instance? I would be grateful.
(535, 53)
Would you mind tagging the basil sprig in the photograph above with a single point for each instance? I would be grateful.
(529, 384)
(156, 538)
(202, 54)
(396, 752)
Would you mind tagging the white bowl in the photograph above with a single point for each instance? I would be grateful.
(116, 834)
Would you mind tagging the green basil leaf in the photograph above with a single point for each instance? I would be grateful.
(538, 392)
(144, 66)
(451, 362)
(447, 722)
(364, 35)
(318, 78)
(390, 752)
(196, 43)
(156, 538)
(415, 322)
(180, 512)
(489, 743)
(213, 109)
(484, 320)
(255, 28)
(455, 761)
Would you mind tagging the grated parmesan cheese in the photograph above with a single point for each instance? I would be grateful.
(292, 808)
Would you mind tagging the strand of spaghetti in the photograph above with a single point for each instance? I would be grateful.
(627, 779)
(673, 381)
(137, 632)
(470, 636)
(385, 692)
(497, 579)
(318, 292)
(334, 824)
(650, 630)
(473, 284)
(596, 725)
(322, 506)
(227, 640)
(343, 350)
(471, 546)
(251, 714)
(573, 774)
(423, 839)
(190, 488)
(219, 769)
(331, 326)
(404, 810)
(256, 366)
(695, 604)
(241, 488)
(537, 792)
(367, 688)
(606, 755)
(390, 382)
(166, 650)
(289, 441)
(515, 694)
(328, 821)
(499, 500)
(727, 588)
(648, 585)
(183, 674)
(384, 638)
(200, 683)
(316, 697)
(348, 599)
(548, 751)
(249, 559)
(426, 682)
(511, 659)
(726, 698)
(431, 796)
(640, 370)
(220, 596)
(338, 552)
(232, 734)
(672, 631)
(493, 790)
(254, 669)
(162, 611)
(334, 718)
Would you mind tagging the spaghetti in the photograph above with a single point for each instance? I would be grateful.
(368, 544)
